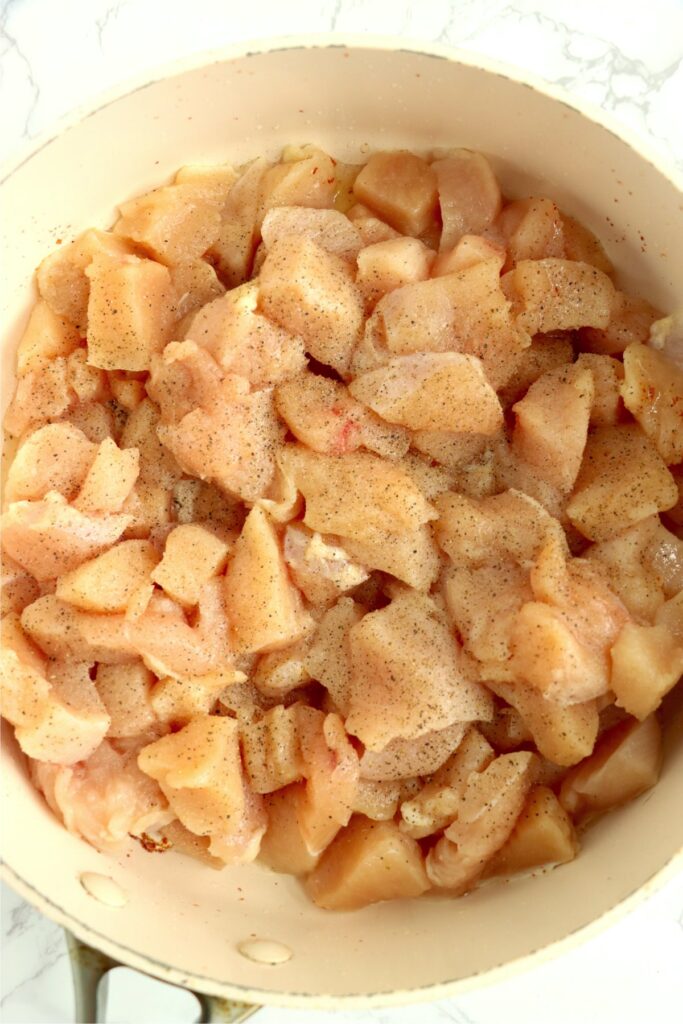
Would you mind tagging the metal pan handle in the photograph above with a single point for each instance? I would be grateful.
(90, 968)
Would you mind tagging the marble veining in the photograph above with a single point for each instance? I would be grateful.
(627, 59)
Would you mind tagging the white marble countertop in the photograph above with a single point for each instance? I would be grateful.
(626, 58)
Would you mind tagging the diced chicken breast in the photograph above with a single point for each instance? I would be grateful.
(469, 195)
(344, 495)
(40, 395)
(323, 415)
(533, 230)
(405, 691)
(322, 571)
(402, 188)
(330, 229)
(389, 264)
(369, 861)
(232, 444)
(56, 457)
(404, 759)
(129, 312)
(47, 336)
(233, 250)
(312, 292)
(629, 322)
(75, 721)
(109, 480)
(551, 424)
(622, 480)
(105, 799)
(49, 537)
(264, 608)
(330, 767)
(172, 223)
(444, 391)
(653, 393)
(558, 295)
(244, 341)
(200, 773)
(492, 802)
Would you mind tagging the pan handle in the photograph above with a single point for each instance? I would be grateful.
(89, 969)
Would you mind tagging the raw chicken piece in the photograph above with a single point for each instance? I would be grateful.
(49, 537)
(311, 292)
(469, 195)
(405, 691)
(330, 229)
(323, 415)
(200, 773)
(329, 657)
(279, 672)
(558, 295)
(483, 603)
(47, 336)
(561, 641)
(62, 279)
(125, 691)
(389, 264)
(264, 609)
(169, 646)
(626, 762)
(511, 525)
(105, 799)
(563, 734)
(492, 802)
(403, 759)
(608, 374)
(551, 424)
(282, 847)
(629, 322)
(40, 395)
(271, 749)
(622, 480)
(368, 862)
(172, 223)
(75, 721)
(54, 458)
(63, 631)
(437, 802)
(304, 177)
(322, 571)
(232, 444)
(653, 393)
(110, 479)
(109, 582)
(533, 229)
(444, 391)
(233, 250)
(17, 587)
(402, 188)
(330, 767)
(244, 341)
(470, 249)
(581, 245)
(344, 495)
(130, 311)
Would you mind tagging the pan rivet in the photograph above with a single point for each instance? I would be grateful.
(265, 951)
(103, 889)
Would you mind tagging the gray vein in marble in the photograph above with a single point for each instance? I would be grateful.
(11, 45)
(109, 15)
(53, 949)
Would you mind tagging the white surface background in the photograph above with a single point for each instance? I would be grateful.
(626, 57)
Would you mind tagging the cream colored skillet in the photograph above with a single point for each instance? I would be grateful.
(179, 921)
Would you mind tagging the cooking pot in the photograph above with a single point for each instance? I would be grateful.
(180, 921)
